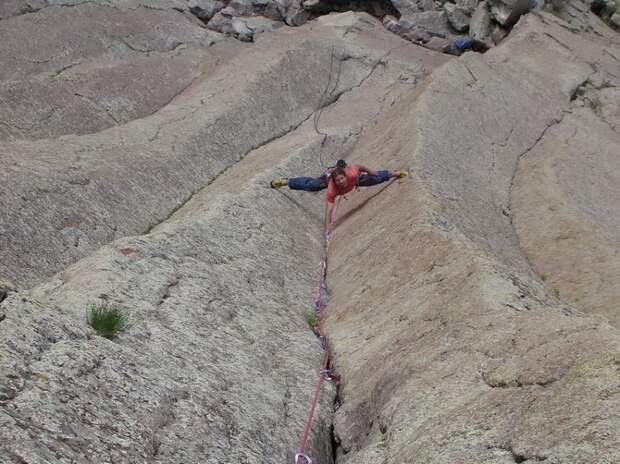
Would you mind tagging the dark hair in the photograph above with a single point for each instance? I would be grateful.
(341, 164)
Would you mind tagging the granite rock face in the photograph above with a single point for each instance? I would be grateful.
(65, 201)
(218, 364)
(81, 69)
(471, 307)
(454, 348)
(565, 195)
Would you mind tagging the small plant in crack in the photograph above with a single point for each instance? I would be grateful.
(311, 319)
(108, 319)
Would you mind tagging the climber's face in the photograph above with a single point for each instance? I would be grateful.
(341, 180)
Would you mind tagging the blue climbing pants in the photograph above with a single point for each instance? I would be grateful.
(314, 184)
(309, 184)
(366, 181)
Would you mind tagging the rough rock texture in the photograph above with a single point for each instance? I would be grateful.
(452, 345)
(457, 17)
(565, 199)
(451, 348)
(205, 9)
(480, 24)
(85, 68)
(63, 210)
(423, 26)
(406, 7)
(508, 12)
(10, 8)
(468, 6)
(219, 364)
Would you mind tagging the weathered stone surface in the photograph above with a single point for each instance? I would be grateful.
(427, 5)
(615, 20)
(218, 365)
(228, 23)
(86, 68)
(438, 44)
(65, 202)
(606, 103)
(508, 12)
(392, 24)
(452, 349)
(480, 25)
(9, 8)
(498, 33)
(406, 7)
(457, 17)
(433, 23)
(243, 7)
(564, 200)
(468, 6)
(205, 9)
(276, 10)
(260, 24)
(296, 14)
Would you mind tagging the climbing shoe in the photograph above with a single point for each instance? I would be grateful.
(400, 174)
(277, 183)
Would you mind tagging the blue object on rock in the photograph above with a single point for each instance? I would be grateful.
(462, 43)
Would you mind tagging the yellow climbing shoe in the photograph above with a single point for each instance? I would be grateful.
(400, 174)
(277, 183)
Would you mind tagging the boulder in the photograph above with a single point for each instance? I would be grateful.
(431, 23)
(260, 24)
(276, 10)
(406, 7)
(221, 22)
(392, 24)
(481, 25)
(228, 22)
(242, 31)
(296, 14)
(243, 7)
(468, 6)
(508, 12)
(427, 5)
(205, 9)
(457, 17)
(438, 44)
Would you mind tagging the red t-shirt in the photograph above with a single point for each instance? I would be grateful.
(350, 172)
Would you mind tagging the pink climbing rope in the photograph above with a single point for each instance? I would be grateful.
(319, 305)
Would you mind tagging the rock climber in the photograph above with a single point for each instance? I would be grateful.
(338, 180)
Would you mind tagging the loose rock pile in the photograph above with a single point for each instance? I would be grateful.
(434, 24)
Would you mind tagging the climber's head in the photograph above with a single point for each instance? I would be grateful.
(340, 179)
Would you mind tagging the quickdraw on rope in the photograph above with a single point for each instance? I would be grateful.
(325, 373)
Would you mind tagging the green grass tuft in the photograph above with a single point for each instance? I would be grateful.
(107, 319)
(311, 318)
